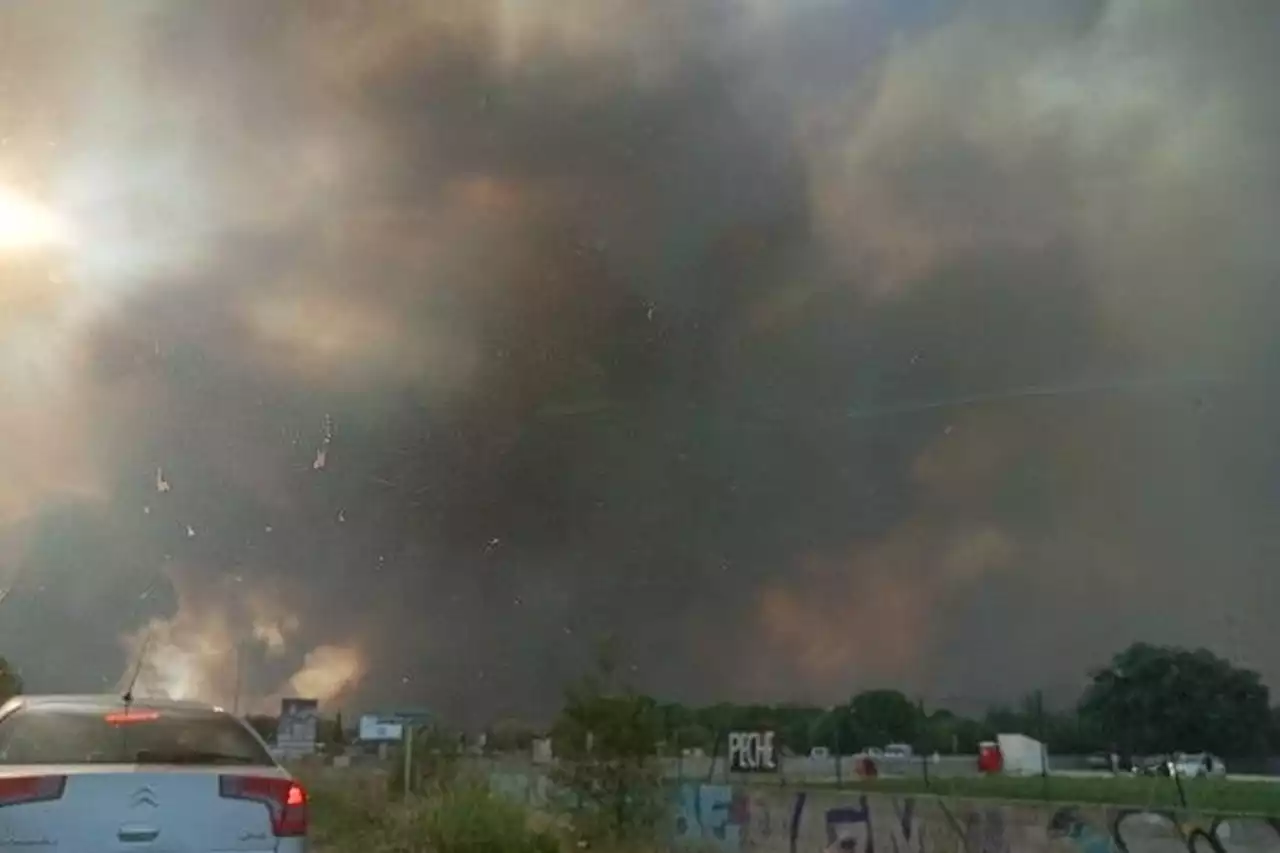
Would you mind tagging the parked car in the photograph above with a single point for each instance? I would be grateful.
(1099, 761)
(1198, 764)
(1185, 765)
(93, 773)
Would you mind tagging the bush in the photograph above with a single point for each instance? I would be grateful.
(460, 818)
(351, 816)
(435, 762)
(606, 738)
(612, 802)
(467, 818)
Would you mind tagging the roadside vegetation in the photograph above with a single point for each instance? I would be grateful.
(606, 739)
(611, 800)
(611, 797)
(353, 816)
(463, 817)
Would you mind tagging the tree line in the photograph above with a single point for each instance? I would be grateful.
(1148, 700)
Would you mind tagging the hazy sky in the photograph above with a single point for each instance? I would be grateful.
(807, 346)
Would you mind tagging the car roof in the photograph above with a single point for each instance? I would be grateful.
(107, 701)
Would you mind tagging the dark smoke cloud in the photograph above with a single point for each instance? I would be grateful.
(455, 336)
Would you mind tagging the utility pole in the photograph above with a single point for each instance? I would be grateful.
(839, 716)
(408, 759)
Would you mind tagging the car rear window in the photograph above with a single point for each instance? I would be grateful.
(144, 736)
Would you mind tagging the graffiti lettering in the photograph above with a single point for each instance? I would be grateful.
(1146, 828)
(1067, 823)
(906, 834)
(1145, 831)
(706, 815)
(753, 815)
(716, 817)
(797, 812)
(1261, 835)
(752, 752)
(984, 831)
(849, 829)
(868, 825)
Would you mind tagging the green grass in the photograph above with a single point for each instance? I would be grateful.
(1208, 795)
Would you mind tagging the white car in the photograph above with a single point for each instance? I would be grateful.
(1199, 764)
(898, 750)
(88, 774)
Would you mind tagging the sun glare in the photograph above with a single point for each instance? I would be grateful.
(26, 225)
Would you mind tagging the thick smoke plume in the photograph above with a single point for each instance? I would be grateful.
(408, 348)
(230, 644)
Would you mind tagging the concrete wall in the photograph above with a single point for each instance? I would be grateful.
(731, 819)
(740, 819)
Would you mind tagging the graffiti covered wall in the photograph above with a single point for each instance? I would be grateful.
(833, 822)
(743, 819)
(738, 819)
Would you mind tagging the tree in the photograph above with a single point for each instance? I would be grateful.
(885, 716)
(10, 681)
(606, 739)
(509, 735)
(834, 730)
(1029, 718)
(720, 718)
(1161, 699)
(946, 732)
(796, 725)
(329, 731)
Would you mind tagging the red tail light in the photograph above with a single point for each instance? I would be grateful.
(284, 798)
(117, 717)
(16, 790)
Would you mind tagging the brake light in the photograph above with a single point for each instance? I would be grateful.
(17, 790)
(285, 799)
(117, 717)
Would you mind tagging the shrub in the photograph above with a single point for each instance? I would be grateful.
(459, 818)
(605, 739)
(435, 762)
(467, 818)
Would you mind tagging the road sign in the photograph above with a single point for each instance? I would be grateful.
(376, 728)
(390, 725)
(298, 726)
(411, 717)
